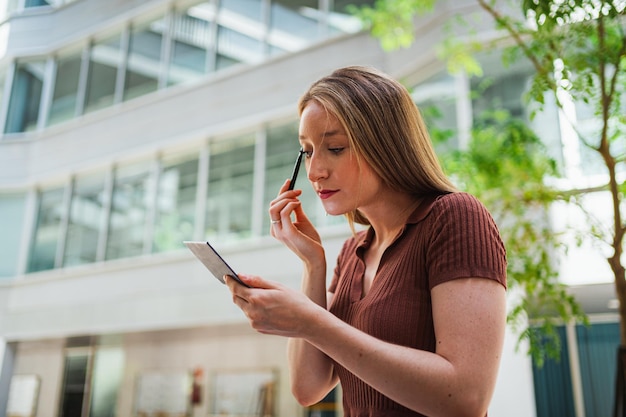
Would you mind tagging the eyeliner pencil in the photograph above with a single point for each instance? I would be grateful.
(296, 169)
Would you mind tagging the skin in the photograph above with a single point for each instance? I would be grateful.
(458, 379)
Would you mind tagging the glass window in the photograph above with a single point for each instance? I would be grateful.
(47, 230)
(239, 12)
(281, 152)
(64, 99)
(129, 209)
(341, 19)
(293, 25)
(25, 97)
(106, 57)
(19, 5)
(504, 88)
(12, 208)
(144, 59)
(176, 202)
(108, 371)
(75, 383)
(229, 211)
(85, 222)
(191, 40)
(36, 3)
(436, 99)
(501, 91)
(589, 126)
(234, 47)
(3, 77)
(240, 33)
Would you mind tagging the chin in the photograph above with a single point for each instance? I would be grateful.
(334, 211)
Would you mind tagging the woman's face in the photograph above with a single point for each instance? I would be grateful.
(342, 183)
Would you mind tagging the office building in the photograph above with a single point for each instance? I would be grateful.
(130, 126)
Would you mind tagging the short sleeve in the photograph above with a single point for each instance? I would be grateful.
(464, 242)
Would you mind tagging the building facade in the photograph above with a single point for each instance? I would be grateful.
(130, 126)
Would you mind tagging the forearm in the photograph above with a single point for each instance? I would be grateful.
(458, 379)
(311, 370)
(422, 381)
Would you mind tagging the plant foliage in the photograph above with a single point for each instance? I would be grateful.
(578, 51)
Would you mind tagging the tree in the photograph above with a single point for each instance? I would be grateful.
(578, 51)
(506, 165)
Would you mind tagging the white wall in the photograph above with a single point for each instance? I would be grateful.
(587, 263)
(514, 395)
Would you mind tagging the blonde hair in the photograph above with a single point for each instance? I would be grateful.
(384, 127)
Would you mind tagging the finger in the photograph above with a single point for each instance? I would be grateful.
(300, 214)
(257, 282)
(281, 209)
(284, 197)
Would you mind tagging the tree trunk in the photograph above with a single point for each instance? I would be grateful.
(620, 383)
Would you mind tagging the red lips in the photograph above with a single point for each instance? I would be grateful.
(324, 194)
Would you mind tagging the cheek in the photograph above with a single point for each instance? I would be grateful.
(370, 180)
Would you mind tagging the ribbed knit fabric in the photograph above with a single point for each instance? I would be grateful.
(447, 237)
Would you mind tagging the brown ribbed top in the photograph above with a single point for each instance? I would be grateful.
(447, 237)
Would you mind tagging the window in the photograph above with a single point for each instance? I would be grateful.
(341, 19)
(108, 372)
(47, 230)
(240, 33)
(91, 381)
(25, 97)
(589, 125)
(597, 357)
(12, 219)
(130, 204)
(436, 98)
(293, 25)
(176, 202)
(281, 152)
(85, 227)
(106, 57)
(36, 3)
(20, 5)
(75, 380)
(192, 40)
(40, 3)
(3, 77)
(65, 95)
(229, 212)
(504, 88)
(184, 46)
(144, 57)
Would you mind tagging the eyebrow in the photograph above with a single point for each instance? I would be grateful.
(326, 134)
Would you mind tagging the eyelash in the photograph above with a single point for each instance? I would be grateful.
(335, 151)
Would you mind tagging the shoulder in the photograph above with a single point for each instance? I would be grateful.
(464, 240)
(459, 205)
(459, 200)
(461, 217)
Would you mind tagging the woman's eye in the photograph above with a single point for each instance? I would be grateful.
(307, 154)
(336, 150)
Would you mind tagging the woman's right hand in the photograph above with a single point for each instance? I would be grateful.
(298, 234)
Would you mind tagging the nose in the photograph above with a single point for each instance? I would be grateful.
(316, 168)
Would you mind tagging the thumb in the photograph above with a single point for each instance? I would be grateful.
(255, 281)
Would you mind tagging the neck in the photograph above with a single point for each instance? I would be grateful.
(390, 216)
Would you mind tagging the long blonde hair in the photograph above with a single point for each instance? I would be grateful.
(384, 127)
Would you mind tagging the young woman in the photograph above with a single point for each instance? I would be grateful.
(413, 321)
